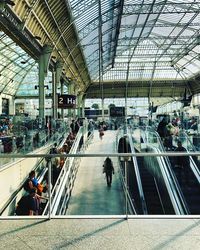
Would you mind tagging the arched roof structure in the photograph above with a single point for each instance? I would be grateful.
(150, 46)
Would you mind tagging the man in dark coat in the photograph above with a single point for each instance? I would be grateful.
(108, 169)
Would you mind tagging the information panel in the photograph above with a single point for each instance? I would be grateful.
(67, 101)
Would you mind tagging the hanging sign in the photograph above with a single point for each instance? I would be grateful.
(67, 101)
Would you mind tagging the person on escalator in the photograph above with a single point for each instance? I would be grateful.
(162, 128)
(108, 169)
(29, 204)
(182, 164)
(32, 183)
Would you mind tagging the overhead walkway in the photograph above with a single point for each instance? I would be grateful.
(90, 195)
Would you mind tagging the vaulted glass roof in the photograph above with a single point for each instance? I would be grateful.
(18, 71)
(15, 65)
(110, 41)
(139, 40)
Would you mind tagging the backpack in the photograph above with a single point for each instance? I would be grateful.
(26, 185)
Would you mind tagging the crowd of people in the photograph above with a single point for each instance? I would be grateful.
(35, 197)
(167, 130)
(36, 194)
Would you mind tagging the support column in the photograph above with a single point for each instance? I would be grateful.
(11, 106)
(54, 104)
(71, 92)
(83, 106)
(58, 73)
(43, 69)
(0, 104)
(102, 105)
(79, 103)
(62, 92)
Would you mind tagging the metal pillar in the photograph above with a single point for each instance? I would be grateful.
(43, 69)
(62, 91)
(126, 183)
(79, 99)
(49, 185)
(71, 92)
(58, 73)
(83, 106)
(54, 99)
(102, 105)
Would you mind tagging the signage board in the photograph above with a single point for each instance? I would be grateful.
(117, 111)
(67, 101)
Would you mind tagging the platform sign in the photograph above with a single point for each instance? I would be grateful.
(67, 101)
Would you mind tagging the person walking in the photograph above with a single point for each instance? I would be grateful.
(108, 169)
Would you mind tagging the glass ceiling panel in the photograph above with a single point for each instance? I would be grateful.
(15, 65)
(159, 32)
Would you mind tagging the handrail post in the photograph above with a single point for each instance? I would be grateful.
(126, 182)
(49, 186)
(126, 159)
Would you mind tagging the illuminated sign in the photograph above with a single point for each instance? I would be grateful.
(67, 101)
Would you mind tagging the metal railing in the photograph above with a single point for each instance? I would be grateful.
(171, 182)
(137, 173)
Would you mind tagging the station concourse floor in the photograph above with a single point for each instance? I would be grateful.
(101, 234)
(149, 233)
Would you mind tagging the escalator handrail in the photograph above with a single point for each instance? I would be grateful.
(179, 205)
(126, 190)
(193, 165)
(15, 194)
(57, 192)
(120, 133)
(138, 177)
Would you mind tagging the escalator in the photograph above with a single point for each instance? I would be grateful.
(41, 173)
(150, 192)
(159, 184)
(191, 190)
(154, 204)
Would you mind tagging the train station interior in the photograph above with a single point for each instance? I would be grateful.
(100, 124)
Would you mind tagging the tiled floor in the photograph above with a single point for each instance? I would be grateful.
(100, 234)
